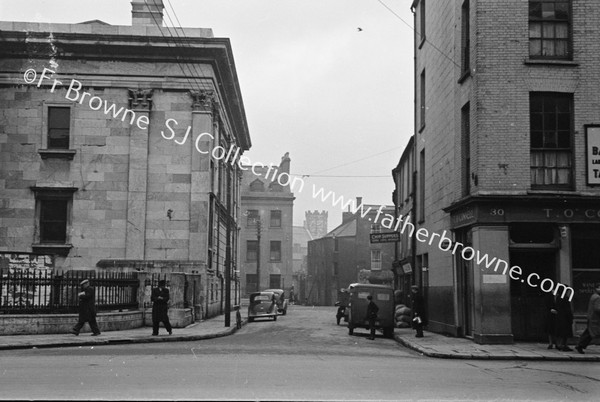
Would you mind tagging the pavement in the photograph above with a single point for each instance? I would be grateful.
(431, 345)
(437, 345)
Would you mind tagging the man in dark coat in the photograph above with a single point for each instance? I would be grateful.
(564, 323)
(372, 311)
(418, 308)
(160, 307)
(87, 309)
(593, 327)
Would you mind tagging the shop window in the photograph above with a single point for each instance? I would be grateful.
(550, 29)
(275, 219)
(551, 122)
(275, 255)
(529, 233)
(586, 263)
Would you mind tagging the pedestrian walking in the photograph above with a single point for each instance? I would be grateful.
(564, 323)
(372, 311)
(292, 295)
(87, 309)
(593, 322)
(550, 314)
(238, 317)
(418, 308)
(160, 307)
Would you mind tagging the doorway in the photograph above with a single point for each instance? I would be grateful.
(527, 302)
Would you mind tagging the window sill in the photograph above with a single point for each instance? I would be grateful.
(551, 62)
(52, 248)
(466, 74)
(553, 191)
(66, 154)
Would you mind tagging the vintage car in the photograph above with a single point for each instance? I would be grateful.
(282, 303)
(262, 305)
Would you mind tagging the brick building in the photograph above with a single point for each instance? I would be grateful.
(346, 255)
(506, 113)
(266, 232)
(103, 161)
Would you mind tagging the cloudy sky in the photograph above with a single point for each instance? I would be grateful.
(338, 99)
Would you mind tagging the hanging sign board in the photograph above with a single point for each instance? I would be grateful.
(592, 138)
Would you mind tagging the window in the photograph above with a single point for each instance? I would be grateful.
(465, 38)
(53, 209)
(586, 264)
(551, 122)
(466, 149)
(257, 185)
(336, 244)
(375, 260)
(422, 96)
(275, 281)
(59, 123)
(252, 217)
(251, 250)
(275, 251)
(275, 219)
(422, 186)
(375, 228)
(549, 29)
(53, 221)
(251, 285)
(422, 22)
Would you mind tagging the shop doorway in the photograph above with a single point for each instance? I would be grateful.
(527, 302)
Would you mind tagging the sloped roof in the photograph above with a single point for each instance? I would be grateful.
(345, 229)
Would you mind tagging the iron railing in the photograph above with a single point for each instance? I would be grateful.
(27, 291)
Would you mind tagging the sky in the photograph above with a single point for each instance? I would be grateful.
(338, 98)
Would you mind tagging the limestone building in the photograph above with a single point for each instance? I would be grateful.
(266, 230)
(505, 161)
(106, 140)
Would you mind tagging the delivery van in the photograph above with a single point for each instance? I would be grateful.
(383, 297)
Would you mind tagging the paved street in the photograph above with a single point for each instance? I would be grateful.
(303, 355)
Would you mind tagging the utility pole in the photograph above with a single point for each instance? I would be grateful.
(258, 230)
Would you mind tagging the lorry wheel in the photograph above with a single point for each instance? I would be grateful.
(388, 332)
(250, 319)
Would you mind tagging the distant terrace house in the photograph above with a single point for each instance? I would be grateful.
(346, 255)
(266, 233)
(103, 192)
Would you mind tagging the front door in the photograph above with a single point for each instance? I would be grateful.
(527, 302)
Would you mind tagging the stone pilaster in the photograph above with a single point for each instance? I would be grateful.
(140, 101)
(204, 109)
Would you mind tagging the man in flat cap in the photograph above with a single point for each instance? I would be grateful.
(160, 307)
(87, 309)
(418, 308)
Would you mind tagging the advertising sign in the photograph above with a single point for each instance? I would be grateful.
(592, 138)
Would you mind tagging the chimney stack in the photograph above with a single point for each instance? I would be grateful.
(147, 12)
